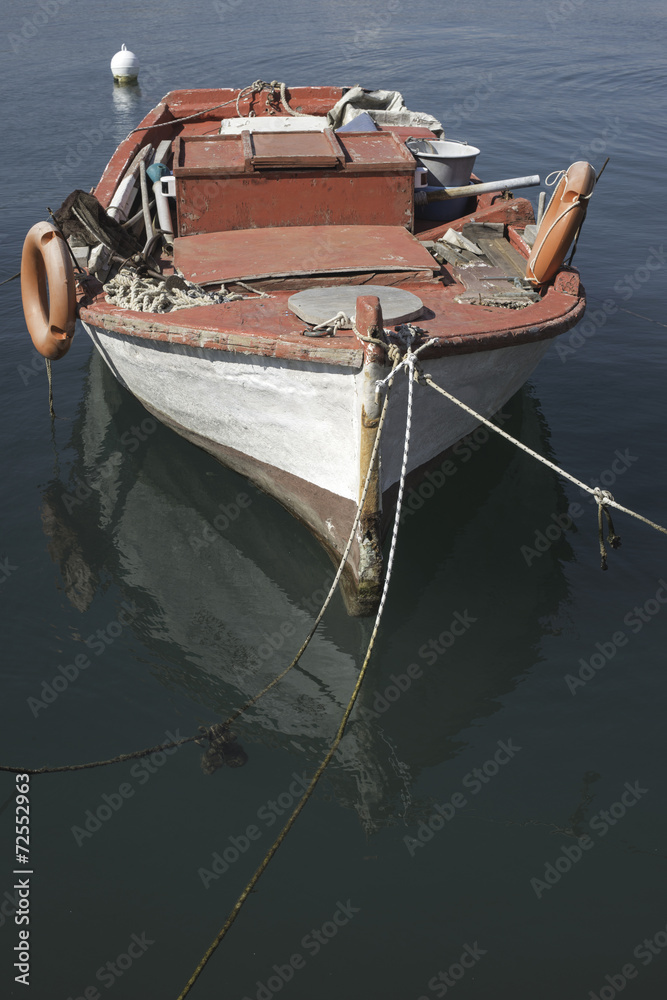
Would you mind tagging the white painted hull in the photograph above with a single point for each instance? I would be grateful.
(303, 431)
(304, 418)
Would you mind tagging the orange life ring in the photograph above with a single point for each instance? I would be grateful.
(560, 222)
(51, 317)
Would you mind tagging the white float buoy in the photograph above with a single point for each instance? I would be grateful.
(125, 67)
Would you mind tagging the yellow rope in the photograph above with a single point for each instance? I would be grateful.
(50, 378)
(348, 711)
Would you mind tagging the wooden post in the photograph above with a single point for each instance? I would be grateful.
(369, 323)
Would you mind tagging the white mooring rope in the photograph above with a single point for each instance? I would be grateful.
(602, 497)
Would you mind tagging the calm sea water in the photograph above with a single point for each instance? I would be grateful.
(494, 825)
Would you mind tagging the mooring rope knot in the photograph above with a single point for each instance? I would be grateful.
(222, 748)
(603, 498)
(408, 359)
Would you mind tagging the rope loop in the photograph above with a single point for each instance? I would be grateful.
(277, 92)
(373, 340)
(556, 174)
(283, 101)
(330, 327)
(255, 88)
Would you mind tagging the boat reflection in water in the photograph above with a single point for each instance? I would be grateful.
(229, 584)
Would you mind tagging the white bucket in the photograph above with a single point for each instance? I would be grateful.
(449, 164)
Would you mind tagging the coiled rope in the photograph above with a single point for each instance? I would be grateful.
(255, 87)
(410, 363)
(128, 290)
(258, 86)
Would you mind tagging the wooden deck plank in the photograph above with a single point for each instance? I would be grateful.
(500, 253)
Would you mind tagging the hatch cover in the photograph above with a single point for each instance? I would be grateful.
(317, 305)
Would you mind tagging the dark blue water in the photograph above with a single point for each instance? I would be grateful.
(494, 825)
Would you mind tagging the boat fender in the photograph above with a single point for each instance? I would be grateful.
(48, 290)
(561, 221)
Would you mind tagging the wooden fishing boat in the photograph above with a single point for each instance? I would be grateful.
(293, 246)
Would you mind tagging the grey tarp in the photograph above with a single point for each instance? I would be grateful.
(386, 107)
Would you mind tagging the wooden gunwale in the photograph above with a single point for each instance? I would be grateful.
(265, 327)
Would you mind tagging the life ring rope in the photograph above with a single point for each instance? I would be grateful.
(530, 273)
(562, 221)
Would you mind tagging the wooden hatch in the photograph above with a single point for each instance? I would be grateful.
(299, 250)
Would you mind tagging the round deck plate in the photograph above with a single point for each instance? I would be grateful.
(317, 305)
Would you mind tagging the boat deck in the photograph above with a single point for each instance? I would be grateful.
(230, 231)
